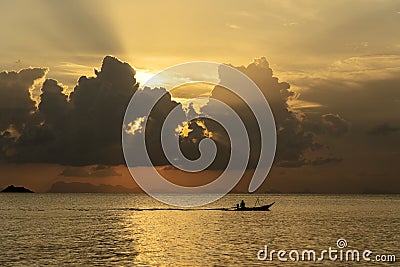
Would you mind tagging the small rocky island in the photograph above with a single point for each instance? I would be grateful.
(16, 189)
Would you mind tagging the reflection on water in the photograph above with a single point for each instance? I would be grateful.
(104, 229)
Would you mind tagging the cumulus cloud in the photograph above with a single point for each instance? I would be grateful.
(16, 102)
(294, 140)
(17, 106)
(81, 130)
(84, 128)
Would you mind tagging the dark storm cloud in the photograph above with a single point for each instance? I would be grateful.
(294, 140)
(156, 119)
(17, 109)
(15, 99)
(82, 131)
(383, 129)
(85, 128)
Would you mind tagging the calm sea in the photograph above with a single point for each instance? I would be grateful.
(107, 230)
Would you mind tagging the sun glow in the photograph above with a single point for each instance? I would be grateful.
(142, 76)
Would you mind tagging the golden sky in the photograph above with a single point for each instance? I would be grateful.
(296, 36)
(341, 58)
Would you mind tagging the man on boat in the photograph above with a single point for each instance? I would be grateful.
(242, 204)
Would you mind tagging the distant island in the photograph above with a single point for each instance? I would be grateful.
(16, 189)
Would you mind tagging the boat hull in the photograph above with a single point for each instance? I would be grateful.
(260, 208)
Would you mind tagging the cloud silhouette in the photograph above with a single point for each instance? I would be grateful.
(84, 128)
(294, 140)
(15, 96)
(17, 106)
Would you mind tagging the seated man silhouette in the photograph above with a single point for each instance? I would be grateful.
(242, 204)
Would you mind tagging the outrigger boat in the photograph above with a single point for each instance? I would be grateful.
(259, 208)
(242, 207)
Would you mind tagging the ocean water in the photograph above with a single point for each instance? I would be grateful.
(108, 230)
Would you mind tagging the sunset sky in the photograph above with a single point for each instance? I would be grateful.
(340, 58)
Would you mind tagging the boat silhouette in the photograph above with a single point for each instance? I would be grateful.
(242, 207)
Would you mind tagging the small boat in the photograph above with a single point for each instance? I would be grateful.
(255, 208)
